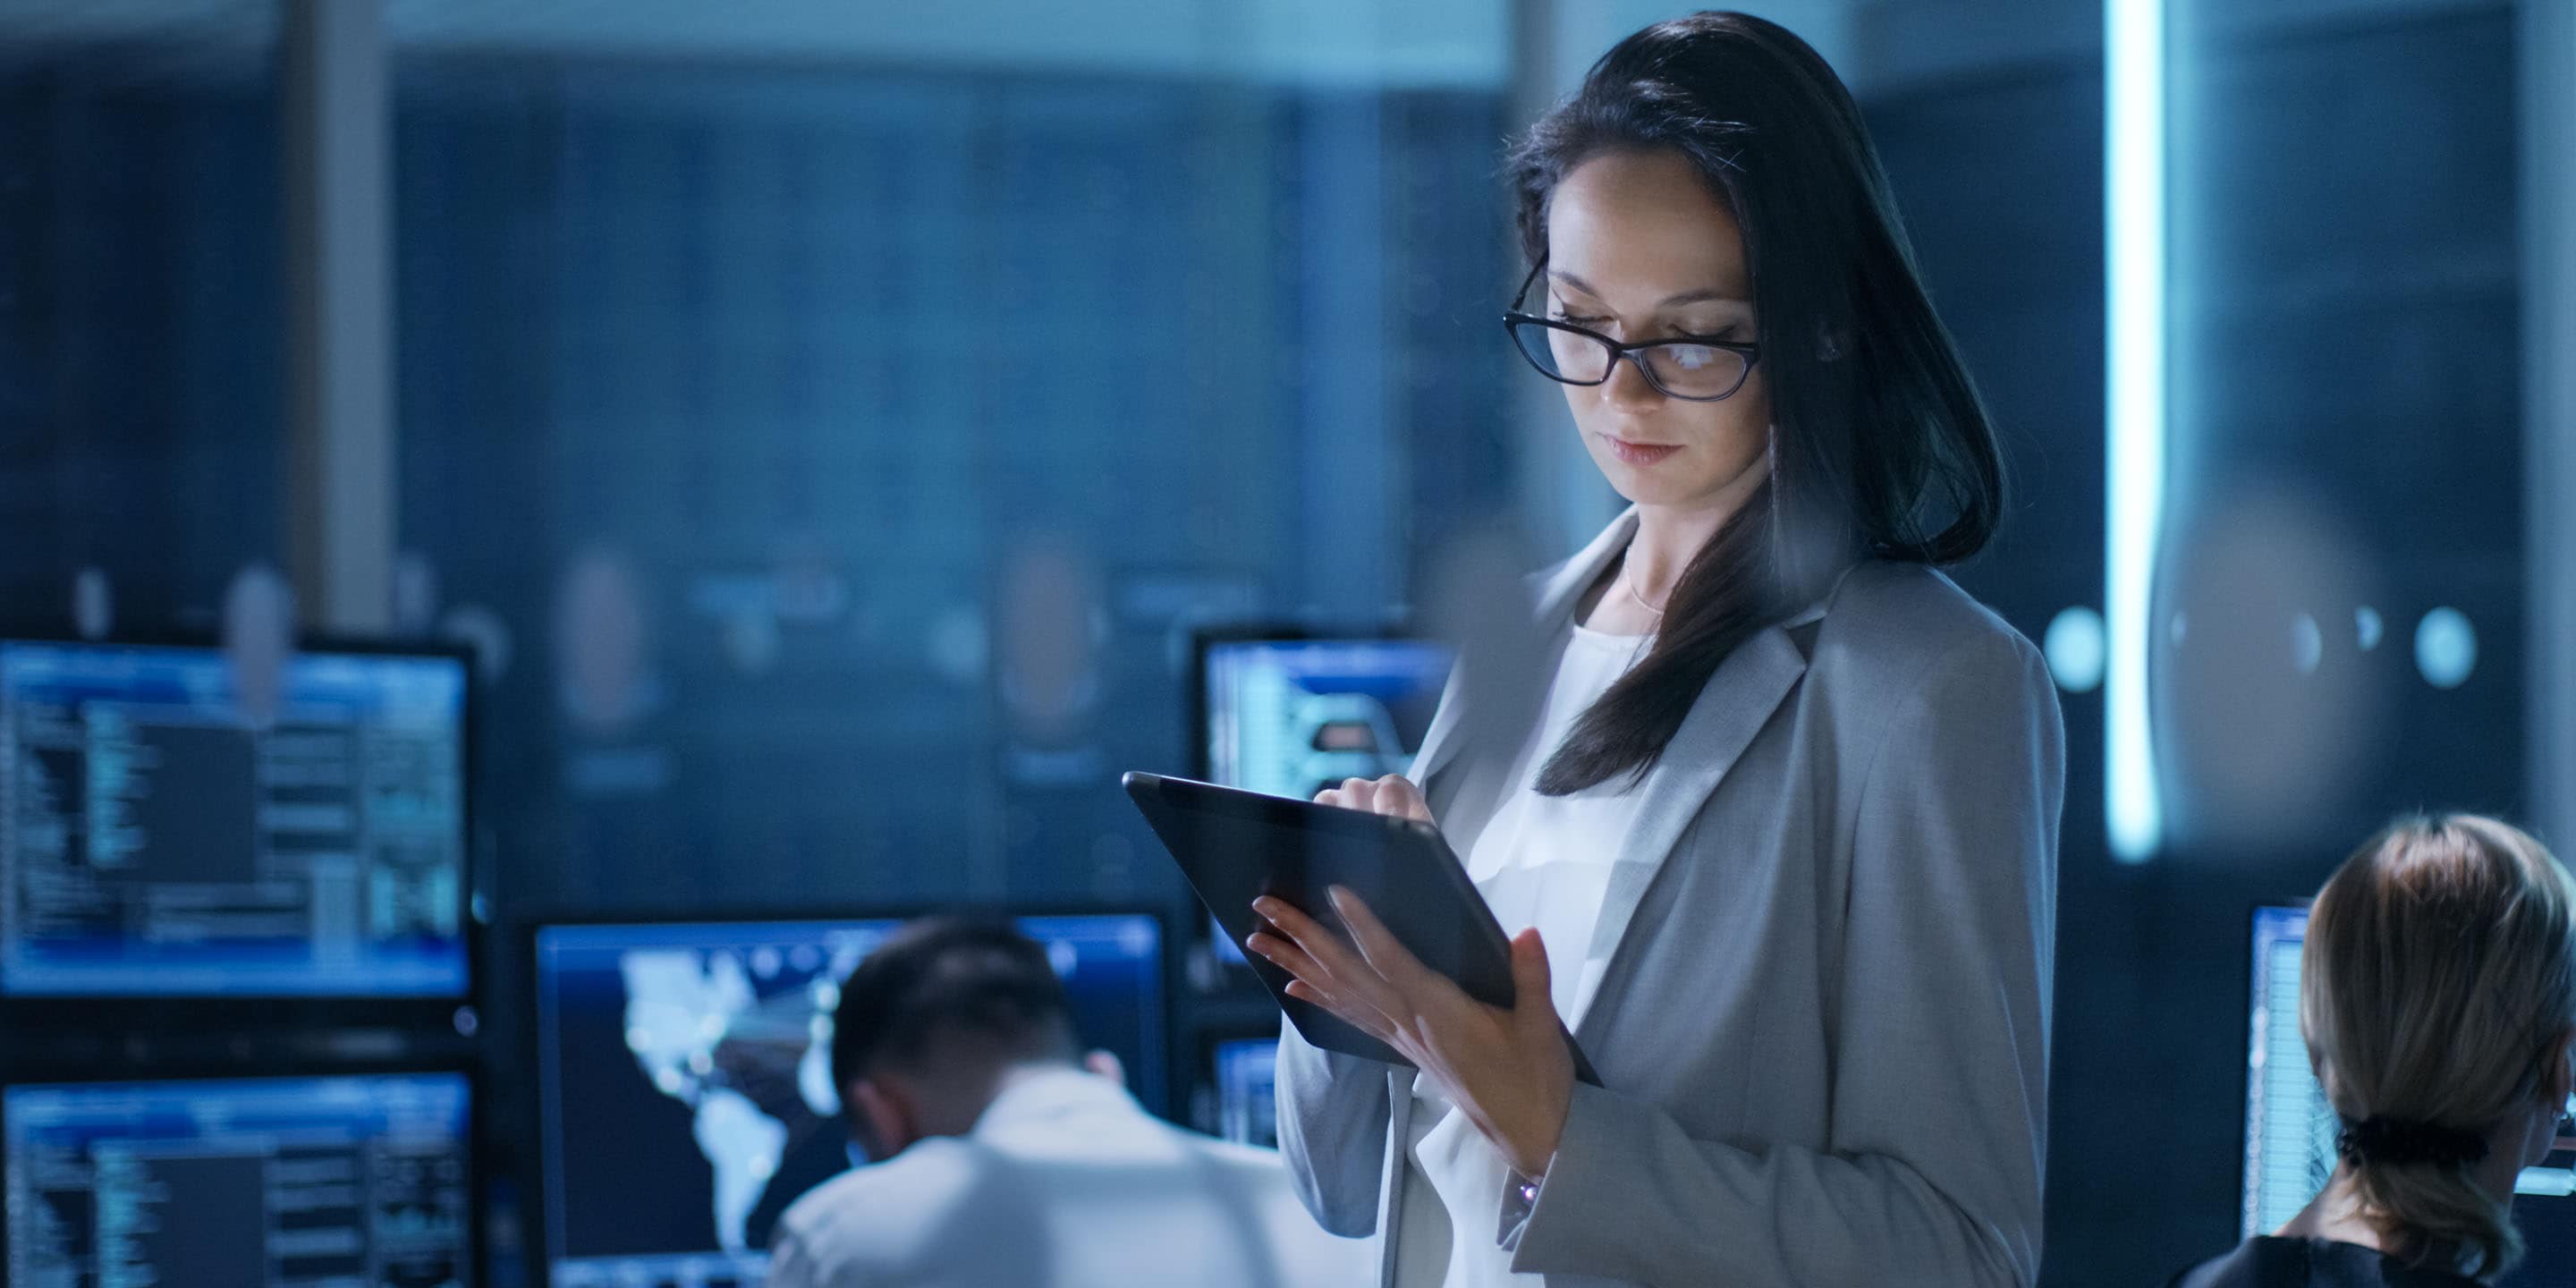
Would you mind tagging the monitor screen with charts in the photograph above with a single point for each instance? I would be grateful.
(1247, 1078)
(157, 840)
(684, 1084)
(355, 1181)
(2290, 1127)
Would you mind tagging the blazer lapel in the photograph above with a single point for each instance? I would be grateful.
(1556, 597)
(1738, 701)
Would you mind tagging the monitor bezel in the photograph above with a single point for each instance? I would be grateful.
(479, 1170)
(2247, 1088)
(537, 1229)
(75, 1028)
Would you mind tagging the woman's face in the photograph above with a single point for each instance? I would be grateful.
(1639, 248)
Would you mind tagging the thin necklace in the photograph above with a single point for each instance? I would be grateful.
(1641, 600)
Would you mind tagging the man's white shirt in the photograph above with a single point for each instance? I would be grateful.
(1065, 1182)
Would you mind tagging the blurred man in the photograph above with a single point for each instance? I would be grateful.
(1012, 1162)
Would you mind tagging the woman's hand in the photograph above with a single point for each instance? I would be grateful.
(1507, 1068)
(1393, 794)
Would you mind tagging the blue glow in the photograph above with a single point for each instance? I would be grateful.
(2134, 459)
(2074, 649)
(2446, 648)
(2367, 627)
(2307, 644)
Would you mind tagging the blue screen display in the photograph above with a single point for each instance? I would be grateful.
(156, 839)
(1292, 717)
(2289, 1127)
(684, 1077)
(262, 1182)
(1247, 1078)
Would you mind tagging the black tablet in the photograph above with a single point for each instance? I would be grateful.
(1236, 846)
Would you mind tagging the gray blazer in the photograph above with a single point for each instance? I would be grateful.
(1824, 1034)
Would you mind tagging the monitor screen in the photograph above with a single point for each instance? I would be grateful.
(1291, 717)
(1246, 1091)
(2290, 1127)
(684, 1077)
(155, 840)
(359, 1181)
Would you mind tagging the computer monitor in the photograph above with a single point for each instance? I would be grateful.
(2290, 1127)
(684, 1084)
(349, 1179)
(1291, 714)
(1247, 1102)
(158, 841)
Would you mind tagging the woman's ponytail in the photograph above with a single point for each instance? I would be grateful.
(2439, 985)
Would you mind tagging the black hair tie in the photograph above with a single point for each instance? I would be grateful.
(2399, 1141)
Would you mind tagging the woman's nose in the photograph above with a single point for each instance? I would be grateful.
(1627, 387)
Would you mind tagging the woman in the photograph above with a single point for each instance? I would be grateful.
(2437, 994)
(1785, 826)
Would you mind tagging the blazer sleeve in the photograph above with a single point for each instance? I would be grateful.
(1333, 1120)
(1940, 1034)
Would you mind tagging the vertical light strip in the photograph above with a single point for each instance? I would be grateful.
(2546, 45)
(2133, 211)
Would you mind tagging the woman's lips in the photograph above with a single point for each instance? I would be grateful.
(1640, 453)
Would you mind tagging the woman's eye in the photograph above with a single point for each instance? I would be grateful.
(1571, 319)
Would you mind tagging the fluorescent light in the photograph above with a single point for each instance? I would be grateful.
(2134, 458)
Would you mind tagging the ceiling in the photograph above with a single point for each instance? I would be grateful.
(1418, 42)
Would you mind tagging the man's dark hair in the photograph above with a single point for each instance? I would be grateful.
(950, 980)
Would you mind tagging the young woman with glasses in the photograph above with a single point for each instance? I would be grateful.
(1784, 824)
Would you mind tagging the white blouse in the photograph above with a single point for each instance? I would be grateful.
(1544, 861)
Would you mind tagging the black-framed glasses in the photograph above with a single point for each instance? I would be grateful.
(1692, 368)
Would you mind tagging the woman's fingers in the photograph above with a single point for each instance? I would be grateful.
(1367, 1020)
(1350, 793)
(1279, 952)
(1395, 794)
(1386, 955)
(1333, 966)
(1322, 946)
(1317, 985)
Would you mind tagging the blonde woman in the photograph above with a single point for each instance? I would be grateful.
(2438, 999)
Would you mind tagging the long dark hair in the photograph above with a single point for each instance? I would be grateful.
(1880, 447)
